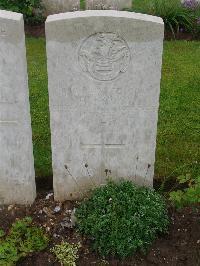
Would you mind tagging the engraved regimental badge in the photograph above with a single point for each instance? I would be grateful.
(104, 56)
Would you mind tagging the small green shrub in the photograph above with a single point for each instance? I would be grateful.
(189, 195)
(174, 14)
(121, 218)
(194, 6)
(23, 238)
(66, 253)
(31, 9)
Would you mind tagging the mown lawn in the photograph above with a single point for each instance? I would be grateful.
(38, 84)
(178, 142)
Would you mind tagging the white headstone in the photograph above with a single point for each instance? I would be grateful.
(108, 4)
(17, 178)
(104, 72)
(60, 6)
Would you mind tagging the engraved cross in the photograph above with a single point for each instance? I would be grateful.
(103, 145)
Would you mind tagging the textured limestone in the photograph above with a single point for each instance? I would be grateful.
(60, 6)
(108, 4)
(17, 178)
(104, 81)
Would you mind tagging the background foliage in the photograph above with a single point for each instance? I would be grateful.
(177, 16)
(31, 9)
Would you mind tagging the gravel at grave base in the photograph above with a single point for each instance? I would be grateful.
(181, 246)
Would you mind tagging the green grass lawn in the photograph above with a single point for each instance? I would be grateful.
(178, 142)
(38, 85)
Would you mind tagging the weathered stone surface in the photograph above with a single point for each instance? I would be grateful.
(60, 6)
(17, 178)
(108, 4)
(104, 81)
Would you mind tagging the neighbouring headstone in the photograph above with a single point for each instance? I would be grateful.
(104, 72)
(17, 178)
(60, 6)
(108, 4)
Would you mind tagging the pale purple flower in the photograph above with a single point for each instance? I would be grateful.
(191, 4)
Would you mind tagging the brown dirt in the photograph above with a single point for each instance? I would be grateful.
(35, 31)
(181, 36)
(181, 246)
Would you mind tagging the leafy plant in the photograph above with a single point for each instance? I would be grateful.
(66, 253)
(174, 15)
(121, 218)
(23, 238)
(189, 195)
(31, 9)
(194, 6)
(1, 232)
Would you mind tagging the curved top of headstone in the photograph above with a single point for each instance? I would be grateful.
(11, 27)
(104, 13)
(10, 15)
(104, 71)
